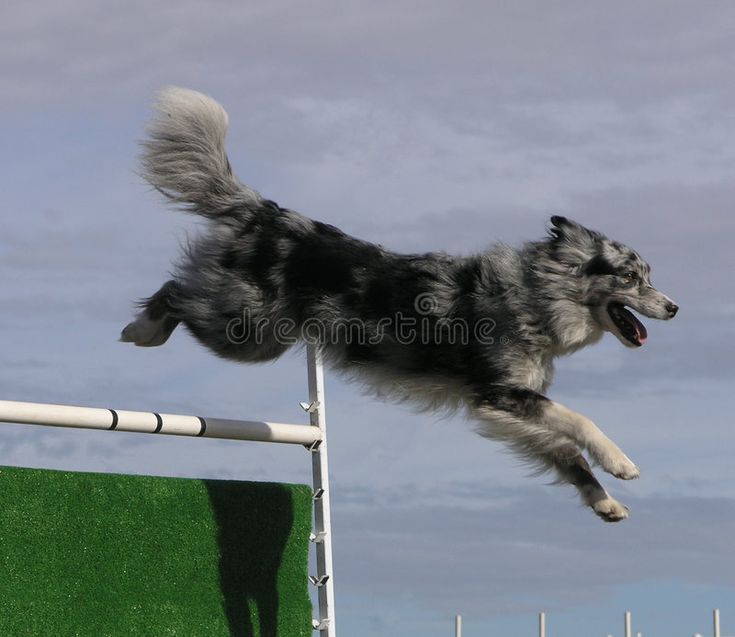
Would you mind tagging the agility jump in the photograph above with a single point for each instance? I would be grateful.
(312, 436)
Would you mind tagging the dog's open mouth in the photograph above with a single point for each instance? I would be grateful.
(629, 326)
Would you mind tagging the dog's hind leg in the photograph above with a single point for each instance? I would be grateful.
(571, 466)
(155, 323)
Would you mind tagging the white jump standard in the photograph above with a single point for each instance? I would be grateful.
(312, 436)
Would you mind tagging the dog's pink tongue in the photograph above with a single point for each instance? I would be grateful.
(640, 330)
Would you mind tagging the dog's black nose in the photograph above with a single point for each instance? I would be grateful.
(672, 308)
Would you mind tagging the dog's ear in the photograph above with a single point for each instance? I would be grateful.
(566, 229)
(563, 225)
(559, 222)
(573, 244)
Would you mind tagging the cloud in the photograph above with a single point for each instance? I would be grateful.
(473, 45)
(491, 552)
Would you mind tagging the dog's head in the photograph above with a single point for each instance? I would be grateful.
(612, 278)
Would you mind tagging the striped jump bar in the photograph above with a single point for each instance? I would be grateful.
(149, 422)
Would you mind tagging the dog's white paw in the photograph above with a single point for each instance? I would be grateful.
(622, 467)
(615, 462)
(610, 510)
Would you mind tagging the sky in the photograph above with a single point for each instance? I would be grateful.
(421, 126)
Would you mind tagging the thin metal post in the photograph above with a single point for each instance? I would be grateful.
(716, 622)
(322, 537)
(542, 625)
(627, 624)
(458, 626)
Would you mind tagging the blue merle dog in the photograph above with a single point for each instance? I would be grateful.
(478, 333)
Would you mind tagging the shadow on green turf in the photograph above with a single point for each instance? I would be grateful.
(252, 536)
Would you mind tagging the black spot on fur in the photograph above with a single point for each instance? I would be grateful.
(599, 265)
(517, 401)
(264, 258)
(323, 268)
(329, 262)
(379, 296)
(229, 260)
(255, 254)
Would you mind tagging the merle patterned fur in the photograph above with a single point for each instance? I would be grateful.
(262, 265)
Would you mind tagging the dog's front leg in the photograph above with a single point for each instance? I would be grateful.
(531, 421)
(571, 466)
(548, 435)
(588, 436)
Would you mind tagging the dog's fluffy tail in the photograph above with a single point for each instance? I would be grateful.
(184, 155)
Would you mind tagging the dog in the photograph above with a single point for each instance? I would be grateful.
(478, 333)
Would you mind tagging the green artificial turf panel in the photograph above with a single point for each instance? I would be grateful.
(101, 555)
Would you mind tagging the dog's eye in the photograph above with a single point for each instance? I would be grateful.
(630, 277)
